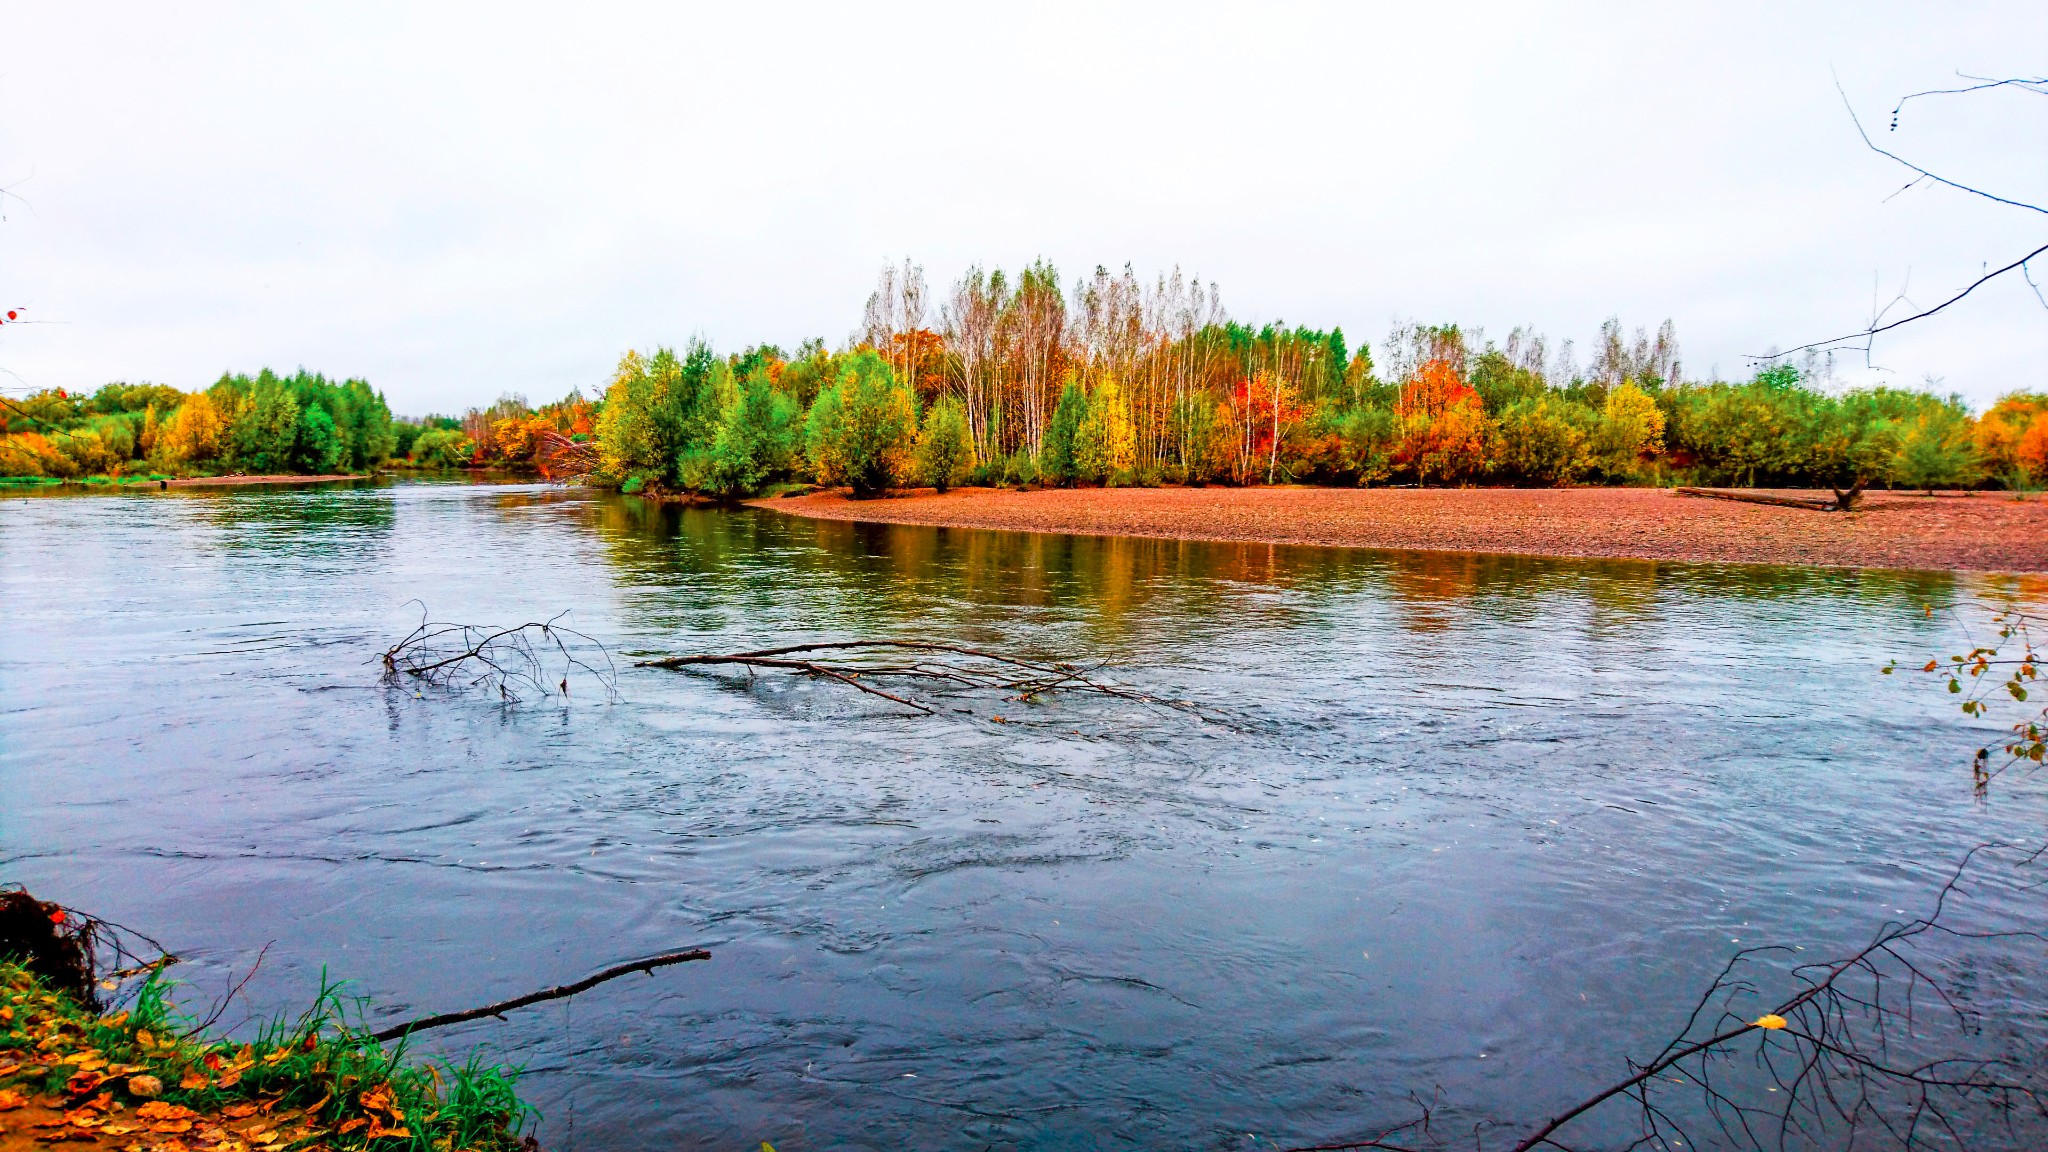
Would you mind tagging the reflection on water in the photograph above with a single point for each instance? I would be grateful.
(1490, 823)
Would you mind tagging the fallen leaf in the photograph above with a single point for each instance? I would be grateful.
(238, 1111)
(161, 1110)
(350, 1125)
(171, 1126)
(10, 1100)
(193, 1081)
(147, 1087)
(230, 1078)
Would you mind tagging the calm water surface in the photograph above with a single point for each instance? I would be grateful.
(1487, 826)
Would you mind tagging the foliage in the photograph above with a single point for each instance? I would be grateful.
(861, 428)
(442, 448)
(756, 440)
(1105, 444)
(1545, 441)
(945, 450)
(1630, 431)
(1058, 462)
(2002, 671)
(319, 1078)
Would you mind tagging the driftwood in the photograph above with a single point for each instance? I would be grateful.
(537, 658)
(947, 667)
(559, 992)
(1748, 497)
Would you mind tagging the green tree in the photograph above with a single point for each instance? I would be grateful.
(263, 425)
(317, 447)
(1368, 435)
(861, 428)
(1936, 448)
(945, 452)
(442, 448)
(756, 438)
(1056, 455)
(1545, 441)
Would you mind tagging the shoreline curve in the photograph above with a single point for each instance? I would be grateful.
(1986, 532)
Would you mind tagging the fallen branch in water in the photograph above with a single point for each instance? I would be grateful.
(559, 992)
(536, 657)
(1845, 1060)
(946, 666)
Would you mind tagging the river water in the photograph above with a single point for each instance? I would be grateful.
(1481, 829)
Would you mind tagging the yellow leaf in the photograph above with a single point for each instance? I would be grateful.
(1770, 1020)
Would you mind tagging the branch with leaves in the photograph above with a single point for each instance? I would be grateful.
(1987, 672)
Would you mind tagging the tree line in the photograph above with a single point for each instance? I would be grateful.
(302, 423)
(1108, 380)
(1113, 381)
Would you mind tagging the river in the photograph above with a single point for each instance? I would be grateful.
(1480, 828)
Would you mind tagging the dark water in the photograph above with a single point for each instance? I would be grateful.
(1489, 825)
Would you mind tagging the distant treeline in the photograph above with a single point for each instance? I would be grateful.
(1108, 381)
(267, 423)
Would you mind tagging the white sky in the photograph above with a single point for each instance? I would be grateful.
(455, 203)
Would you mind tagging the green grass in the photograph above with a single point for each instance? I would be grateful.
(313, 1081)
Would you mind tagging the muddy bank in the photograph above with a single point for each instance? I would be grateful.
(1981, 531)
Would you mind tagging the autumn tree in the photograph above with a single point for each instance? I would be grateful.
(945, 448)
(861, 429)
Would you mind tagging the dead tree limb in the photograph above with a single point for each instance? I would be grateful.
(1843, 1060)
(1805, 502)
(648, 965)
(537, 657)
(952, 667)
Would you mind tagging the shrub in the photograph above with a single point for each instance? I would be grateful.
(756, 438)
(945, 452)
(861, 428)
(442, 448)
(1544, 441)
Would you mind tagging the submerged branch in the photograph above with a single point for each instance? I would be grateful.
(955, 667)
(537, 658)
(648, 964)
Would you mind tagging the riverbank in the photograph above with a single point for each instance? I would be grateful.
(138, 1079)
(1976, 531)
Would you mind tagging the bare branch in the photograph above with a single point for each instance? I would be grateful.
(1877, 329)
(648, 965)
(537, 657)
(955, 667)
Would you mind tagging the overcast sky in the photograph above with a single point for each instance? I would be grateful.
(455, 203)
